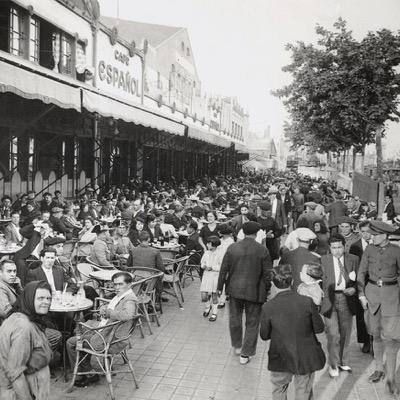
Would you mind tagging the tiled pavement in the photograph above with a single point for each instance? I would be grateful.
(189, 357)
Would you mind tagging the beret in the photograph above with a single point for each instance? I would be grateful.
(379, 227)
(305, 234)
(251, 227)
(265, 205)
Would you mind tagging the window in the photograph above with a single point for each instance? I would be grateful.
(183, 46)
(66, 54)
(187, 52)
(31, 151)
(13, 153)
(34, 40)
(233, 128)
(16, 32)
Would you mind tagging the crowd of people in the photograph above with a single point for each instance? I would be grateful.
(298, 256)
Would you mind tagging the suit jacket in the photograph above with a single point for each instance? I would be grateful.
(390, 211)
(146, 256)
(280, 216)
(59, 227)
(237, 223)
(192, 244)
(351, 263)
(157, 232)
(287, 203)
(59, 275)
(297, 258)
(246, 271)
(357, 249)
(101, 254)
(8, 296)
(30, 245)
(291, 322)
(10, 234)
(336, 210)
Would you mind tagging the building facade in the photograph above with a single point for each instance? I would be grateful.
(78, 106)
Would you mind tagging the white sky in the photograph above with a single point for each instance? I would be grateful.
(238, 45)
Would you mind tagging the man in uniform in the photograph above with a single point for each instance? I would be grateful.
(380, 296)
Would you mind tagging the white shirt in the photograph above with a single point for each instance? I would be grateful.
(342, 285)
(49, 277)
(274, 207)
(259, 237)
(364, 244)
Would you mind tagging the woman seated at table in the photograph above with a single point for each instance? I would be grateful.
(84, 212)
(122, 244)
(86, 238)
(153, 228)
(70, 221)
(123, 307)
(25, 353)
(136, 227)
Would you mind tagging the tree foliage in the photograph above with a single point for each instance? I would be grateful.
(343, 90)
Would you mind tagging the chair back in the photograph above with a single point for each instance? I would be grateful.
(97, 266)
(142, 272)
(150, 283)
(168, 254)
(179, 264)
(84, 270)
(137, 286)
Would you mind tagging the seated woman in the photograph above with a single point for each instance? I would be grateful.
(70, 221)
(102, 250)
(25, 353)
(84, 212)
(86, 238)
(136, 227)
(122, 307)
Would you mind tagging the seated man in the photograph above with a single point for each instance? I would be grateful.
(102, 250)
(146, 256)
(121, 308)
(12, 230)
(10, 290)
(10, 287)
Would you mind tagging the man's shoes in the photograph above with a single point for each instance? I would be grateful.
(366, 348)
(221, 305)
(377, 376)
(345, 368)
(213, 318)
(392, 388)
(244, 359)
(238, 351)
(333, 372)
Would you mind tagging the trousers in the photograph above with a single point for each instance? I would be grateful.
(252, 312)
(338, 331)
(302, 385)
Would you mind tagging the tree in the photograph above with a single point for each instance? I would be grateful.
(343, 90)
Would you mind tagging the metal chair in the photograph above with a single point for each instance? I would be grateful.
(172, 280)
(147, 298)
(189, 268)
(110, 336)
(90, 261)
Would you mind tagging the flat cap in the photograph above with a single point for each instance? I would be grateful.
(312, 204)
(347, 220)
(305, 234)
(265, 205)
(251, 228)
(380, 227)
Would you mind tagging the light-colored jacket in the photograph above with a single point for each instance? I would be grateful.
(101, 254)
(8, 296)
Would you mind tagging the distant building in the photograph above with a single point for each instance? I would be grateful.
(263, 153)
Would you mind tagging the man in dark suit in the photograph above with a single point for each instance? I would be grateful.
(246, 274)
(389, 208)
(48, 271)
(339, 303)
(357, 248)
(193, 247)
(336, 210)
(300, 256)
(277, 210)
(291, 322)
(238, 221)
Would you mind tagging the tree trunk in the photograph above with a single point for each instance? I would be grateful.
(379, 157)
(343, 169)
(328, 158)
(354, 158)
(362, 159)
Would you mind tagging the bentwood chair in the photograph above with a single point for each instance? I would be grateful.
(191, 267)
(115, 340)
(172, 279)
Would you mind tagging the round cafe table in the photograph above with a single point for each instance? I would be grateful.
(104, 275)
(71, 307)
(9, 251)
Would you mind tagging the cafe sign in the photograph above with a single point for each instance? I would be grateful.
(118, 73)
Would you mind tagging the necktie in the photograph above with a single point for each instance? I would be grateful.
(341, 273)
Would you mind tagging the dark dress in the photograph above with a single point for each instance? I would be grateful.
(205, 232)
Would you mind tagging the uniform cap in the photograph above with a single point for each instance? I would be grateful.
(380, 227)
(346, 220)
(265, 205)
